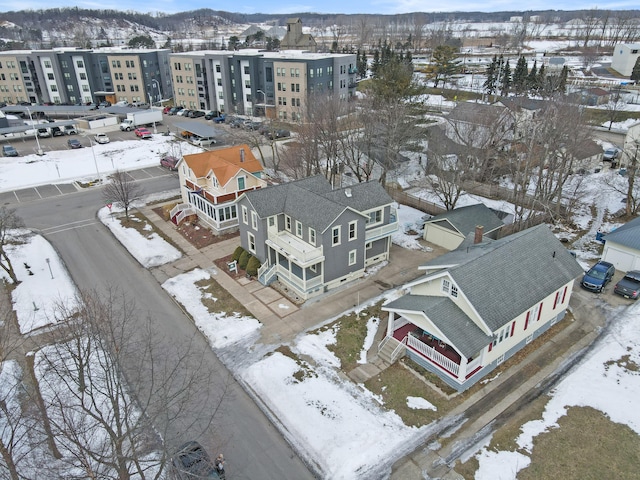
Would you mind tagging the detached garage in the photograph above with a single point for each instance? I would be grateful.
(622, 246)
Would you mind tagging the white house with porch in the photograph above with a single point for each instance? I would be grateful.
(481, 303)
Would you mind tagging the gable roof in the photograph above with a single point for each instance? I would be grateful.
(503, 278)
(314, 202)
(476, 113)
(449, 318)
(225, 162)
(465, 219)
(627, 235)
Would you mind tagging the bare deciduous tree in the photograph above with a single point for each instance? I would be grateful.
(117, 394)
(12, 232)
(122, 190)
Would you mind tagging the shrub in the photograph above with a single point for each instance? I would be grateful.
(236, 253)
(244, 258)
(252, 266)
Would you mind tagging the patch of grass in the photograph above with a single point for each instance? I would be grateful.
(624, 362)
(395, 384)
(304, 370)
(145, 227)
(586, 445)
(217, 299)
(351, 334)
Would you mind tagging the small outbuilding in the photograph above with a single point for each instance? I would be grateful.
(622, 246)
(449, 229)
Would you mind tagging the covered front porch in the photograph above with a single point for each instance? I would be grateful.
(434, 353)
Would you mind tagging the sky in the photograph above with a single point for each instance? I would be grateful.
(331, 6)
(332, 422)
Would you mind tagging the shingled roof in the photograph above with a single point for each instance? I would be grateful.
(224, 162)
(627, 235)
(503, 278)
(465, 219)
(314, 202)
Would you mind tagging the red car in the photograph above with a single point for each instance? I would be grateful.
(142, 133)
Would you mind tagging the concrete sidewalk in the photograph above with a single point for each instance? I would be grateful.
(282, 319)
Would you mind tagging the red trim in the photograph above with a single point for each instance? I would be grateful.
(526, 322)
(490, 346)
(539, 312)
(555, 302)
(477, 369)
(513, 327)
(564, 294)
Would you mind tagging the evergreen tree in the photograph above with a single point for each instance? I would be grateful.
(635, 73)
(562, 81)
(520, 76)
(532, 79)
(542, 74)
(375, 66)
(490, 82)
(505, 83)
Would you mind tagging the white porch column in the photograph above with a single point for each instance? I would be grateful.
(462, 372)
(390, 324)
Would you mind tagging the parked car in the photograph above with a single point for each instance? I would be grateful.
(166, 110)
(70, 130)
(211, 114)
(169, 162)
(205, 141)
(9, 151)
(183, 113)
(235, 122)
(597, 277)
(101, 138)
(74, 143)
(196, 114)
(192, 462)
(174, 110)
(57, 131)
(104, 104)
(252, 125)
(44, 132)
(629, 285)
(142, 132)
(219, 119)
(610, 154)
(186, 134)
(279, 133)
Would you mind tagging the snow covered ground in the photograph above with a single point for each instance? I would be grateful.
(333, 422)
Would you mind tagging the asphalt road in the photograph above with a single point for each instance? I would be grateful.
(253, 447)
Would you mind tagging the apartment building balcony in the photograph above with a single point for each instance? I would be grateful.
(295, 249)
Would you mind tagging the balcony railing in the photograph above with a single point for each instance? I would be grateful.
(381, 231)
(295, 249)
(302, 285)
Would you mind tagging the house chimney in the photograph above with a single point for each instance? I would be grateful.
(478, 236)
(347, 192)
(242, 154)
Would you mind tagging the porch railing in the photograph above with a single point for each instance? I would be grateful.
(182, 210)
(433, 355)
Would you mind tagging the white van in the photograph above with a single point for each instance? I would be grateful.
(205, 141)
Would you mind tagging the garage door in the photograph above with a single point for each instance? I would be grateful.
(621, 260)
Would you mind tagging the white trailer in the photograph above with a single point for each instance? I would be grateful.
(137, 119)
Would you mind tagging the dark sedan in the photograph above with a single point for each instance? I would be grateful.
(193, 462)
(74, 143)
(629, 285)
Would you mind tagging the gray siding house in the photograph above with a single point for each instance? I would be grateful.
(312, 237)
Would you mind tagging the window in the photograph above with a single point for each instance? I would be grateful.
(241, 183)
(368, 245)
(272, 221)
(80, 64)
(454, 291)
(446, 284)
(47, 64)
(353, 230)
(298, 229)
(246, 70)
(254, 220)
(352, 257)
(335, 236)
(313, 268)
(251, 242)
(245, 216)
(375, 217)
(287, 223)
(50, 76)
(312, 236)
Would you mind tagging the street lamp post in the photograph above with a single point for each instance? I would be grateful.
(156, 84)
(35, 133)
(95, 161)
(264, 101)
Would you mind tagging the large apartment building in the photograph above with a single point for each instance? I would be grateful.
(255, 82)
(69, 75)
